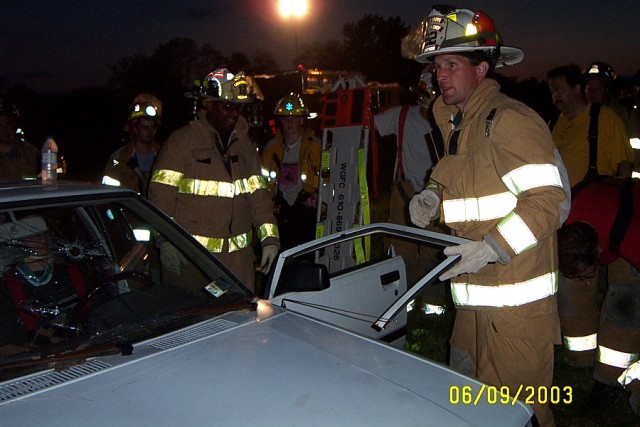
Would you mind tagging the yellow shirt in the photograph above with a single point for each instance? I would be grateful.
(570, 137)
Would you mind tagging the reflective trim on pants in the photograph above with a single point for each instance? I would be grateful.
(588, 342)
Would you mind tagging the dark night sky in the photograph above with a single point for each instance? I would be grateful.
(65, 44)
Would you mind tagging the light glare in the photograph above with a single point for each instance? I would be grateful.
(293, 7)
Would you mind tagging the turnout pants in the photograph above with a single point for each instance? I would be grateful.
(619, 330)
(579, 309)
(510, 346)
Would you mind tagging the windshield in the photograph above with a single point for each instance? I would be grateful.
(75, 272)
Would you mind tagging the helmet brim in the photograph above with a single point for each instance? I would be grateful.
(508, 55)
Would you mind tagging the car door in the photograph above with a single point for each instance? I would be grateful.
(369, 297)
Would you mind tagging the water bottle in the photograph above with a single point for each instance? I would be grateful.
(49, 172)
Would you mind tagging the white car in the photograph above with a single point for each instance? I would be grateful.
(97, 329)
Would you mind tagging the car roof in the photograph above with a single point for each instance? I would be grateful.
(16, 191)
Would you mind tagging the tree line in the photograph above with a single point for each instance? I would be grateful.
(88, 123)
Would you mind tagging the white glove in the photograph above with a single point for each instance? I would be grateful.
(475, 255)
(424, 208)
(171, 258)
(269, 254)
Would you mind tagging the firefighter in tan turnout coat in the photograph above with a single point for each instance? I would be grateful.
(208, 178)
(498, 185)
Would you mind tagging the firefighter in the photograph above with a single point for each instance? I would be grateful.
(18, 158)
(291, 163)
(498, 185)
(602, 229)
(130, 165)
(208, 178)
(599, 85)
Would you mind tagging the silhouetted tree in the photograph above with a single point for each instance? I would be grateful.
(329, 55)
(128, 74)
(263, 63)
(208, 60)
(372, 45)
(238, 62)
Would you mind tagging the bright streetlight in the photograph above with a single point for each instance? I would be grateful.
(294, 9)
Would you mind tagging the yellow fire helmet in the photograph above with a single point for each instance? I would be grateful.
(447, 30)
(145, 105)
(222, 85)
(291, 105)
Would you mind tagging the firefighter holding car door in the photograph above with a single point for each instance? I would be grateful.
(498, 185)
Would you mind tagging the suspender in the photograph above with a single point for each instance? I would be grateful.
(398, 173)
(592, 136)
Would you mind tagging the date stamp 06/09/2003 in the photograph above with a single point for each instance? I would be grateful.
(466, 395)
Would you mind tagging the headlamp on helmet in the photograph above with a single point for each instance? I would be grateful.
(447, 30)
(145, 105)
(144, 110)
(291, 105)
(222, 85)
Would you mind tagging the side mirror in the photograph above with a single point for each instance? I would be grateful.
(303, 276)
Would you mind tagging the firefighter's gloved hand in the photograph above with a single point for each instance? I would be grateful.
(424, 208)
(269, 254)
(475, 255)
(171, 258)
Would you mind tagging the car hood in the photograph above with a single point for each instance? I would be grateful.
(246, 370)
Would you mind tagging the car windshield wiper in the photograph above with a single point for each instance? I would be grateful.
(137, 331)
(118, 340)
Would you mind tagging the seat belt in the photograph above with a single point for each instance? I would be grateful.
(594, 114)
